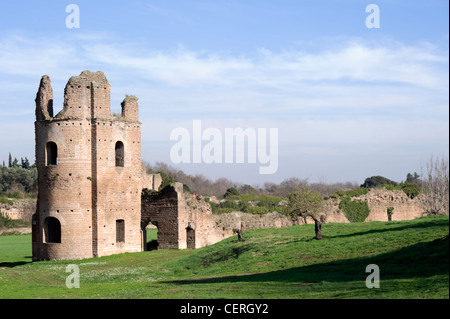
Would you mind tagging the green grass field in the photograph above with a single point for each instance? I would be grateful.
(413, 258)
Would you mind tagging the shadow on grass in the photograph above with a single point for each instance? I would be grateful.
(12, 264)
(419, 260)
(393, 227)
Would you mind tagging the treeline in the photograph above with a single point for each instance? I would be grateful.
(17, 177)
(200, 184)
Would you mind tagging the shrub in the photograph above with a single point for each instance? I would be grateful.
(166, 180)
(411, 190)
(357, 192)
(389, 187)
(350, 193)
(6, 222)
(390, 212)
(354, 211)
(223, 210)
(6, 201)
(264, 204)
(231, 192)
(256, 210)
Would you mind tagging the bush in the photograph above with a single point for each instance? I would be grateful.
(354, 211)
(411, 190)
(357, 192)
(166, 180)
(350, 193)
(231, 192)
(14, 194)
(241, 203)
(225, 207)
(389, 187)
(390, 212)
(256, 210)
(6, 201)
(223, 210)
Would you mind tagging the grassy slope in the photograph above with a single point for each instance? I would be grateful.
(269, 263)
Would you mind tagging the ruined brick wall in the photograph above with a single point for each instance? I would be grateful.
(196, 219)
(183, 221)
(161, 209)
(379, 200)
(236, 220)
(94, 186)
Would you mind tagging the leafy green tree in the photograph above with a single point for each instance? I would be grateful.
(232, 191)
(16, 176)
(306, 203)
(412, 179)
(412, 190)
(247, 189)
(375, 181)
(24, 163)
(15, 163)
(390, 212)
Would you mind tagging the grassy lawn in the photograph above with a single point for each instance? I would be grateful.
(269, 263)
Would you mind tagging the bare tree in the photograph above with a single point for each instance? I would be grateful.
(436, 186)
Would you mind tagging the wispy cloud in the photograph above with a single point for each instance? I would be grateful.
(354, 60)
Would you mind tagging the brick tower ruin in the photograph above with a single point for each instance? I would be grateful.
(89, 172)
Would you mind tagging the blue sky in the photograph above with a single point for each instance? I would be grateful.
(349, 102)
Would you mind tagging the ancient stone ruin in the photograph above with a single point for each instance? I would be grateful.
(96, 199)
(91, 178)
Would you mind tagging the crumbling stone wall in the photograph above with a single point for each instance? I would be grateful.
(183, 220)
(238, 220)
(161, 209)
(20, 209)
(379, 200)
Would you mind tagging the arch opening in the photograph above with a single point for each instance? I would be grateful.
(120, 154)
(190, 238)
(52, 230)
(120, 231)
(51, 154)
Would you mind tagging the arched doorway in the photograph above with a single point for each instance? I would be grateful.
(190, 237)
(150, 236)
